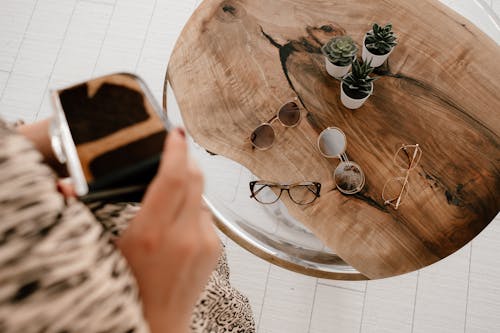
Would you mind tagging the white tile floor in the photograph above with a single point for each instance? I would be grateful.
(47, 43)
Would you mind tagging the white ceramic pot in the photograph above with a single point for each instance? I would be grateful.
(377, 60)
(336, 71)
(352, 103)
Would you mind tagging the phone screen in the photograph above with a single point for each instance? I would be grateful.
(116, 129)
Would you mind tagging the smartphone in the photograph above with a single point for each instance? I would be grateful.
(109, 131)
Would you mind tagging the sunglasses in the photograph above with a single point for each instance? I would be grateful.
(263, 136)
(302, 193)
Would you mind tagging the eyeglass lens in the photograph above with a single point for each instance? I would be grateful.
(263, 136)
(303, 194)
(395, 189)
(408, 156)
(289, 114)
(264, 193)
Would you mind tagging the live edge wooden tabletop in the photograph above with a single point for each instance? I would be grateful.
(236, 62)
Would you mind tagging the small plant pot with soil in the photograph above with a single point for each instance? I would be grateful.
(353, 99)
(378, 44)
(339, 54)
(336, 71)
(357, 86)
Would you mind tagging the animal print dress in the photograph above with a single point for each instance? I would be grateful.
(59, 270)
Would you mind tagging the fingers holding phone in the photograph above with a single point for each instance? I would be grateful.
(171, 245)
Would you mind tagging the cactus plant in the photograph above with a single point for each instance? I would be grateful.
(380, 40)
(340, 50)
(358, 84)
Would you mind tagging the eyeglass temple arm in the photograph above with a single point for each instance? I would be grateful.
(254, 193)
(388, 201)
(414, 155)
(398, 202)
(405, 182)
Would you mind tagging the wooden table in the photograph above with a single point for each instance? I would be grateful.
(236, 62)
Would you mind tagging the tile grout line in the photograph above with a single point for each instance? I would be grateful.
(312, 307)
(415, 303)
(339, 287)
(363, 309)
(264, 296)
(104, 39)
(64, 38)
(18, 51)
(238, 185)
(468, 288)
(57, 57)
(148, 30)
(98, 2)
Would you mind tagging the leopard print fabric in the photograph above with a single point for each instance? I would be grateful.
(220, 308)
(59, 269)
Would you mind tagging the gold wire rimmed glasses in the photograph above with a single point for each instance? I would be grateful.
(288, 115)
(302, 193)
(396, 189)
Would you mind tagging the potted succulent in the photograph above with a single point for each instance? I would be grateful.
(339, 54)
(378, 44)
(357, 86)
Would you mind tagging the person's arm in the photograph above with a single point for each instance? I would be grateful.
(38, 134)
(171, 244)
(41, 232)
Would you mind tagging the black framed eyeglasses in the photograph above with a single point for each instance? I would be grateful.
(302, 193)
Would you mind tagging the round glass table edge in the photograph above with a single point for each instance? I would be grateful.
(339, 270)
(334, 271)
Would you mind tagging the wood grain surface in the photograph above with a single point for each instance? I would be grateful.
(236, 62)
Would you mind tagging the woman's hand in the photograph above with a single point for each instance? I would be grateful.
(171, 244)
(38, 134)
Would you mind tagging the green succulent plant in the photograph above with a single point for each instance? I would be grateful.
(380, 40)
(340, 50)
(358, 82)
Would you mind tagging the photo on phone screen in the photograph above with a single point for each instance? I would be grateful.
(117, 131)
